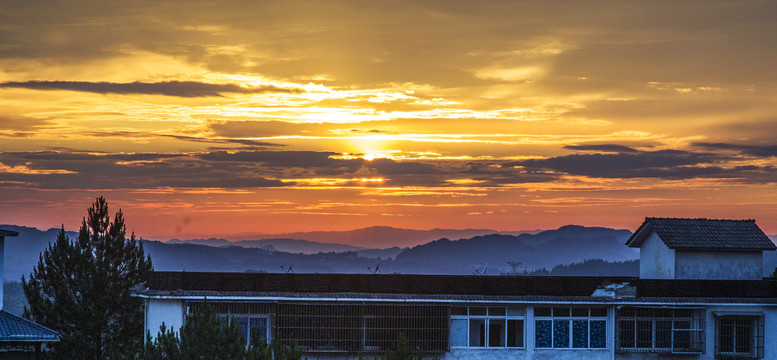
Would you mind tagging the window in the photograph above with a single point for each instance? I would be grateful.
(571, 328)
(667, 330)
(739, 336)
(487, 327)
(255, 328)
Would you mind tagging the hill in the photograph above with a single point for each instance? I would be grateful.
(546, 249)
(380, 237)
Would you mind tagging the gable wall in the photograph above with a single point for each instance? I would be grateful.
(656, 260)
(729, 265)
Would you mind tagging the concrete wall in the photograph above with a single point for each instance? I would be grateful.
(171, 312)
(729, 265)
(656, 260)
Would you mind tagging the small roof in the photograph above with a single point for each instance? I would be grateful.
(703, 234)
(14, 328)
(4, 233)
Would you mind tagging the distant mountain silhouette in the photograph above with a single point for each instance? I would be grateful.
(603, 248)
(546, 249)
(22, 252)
(381, 237)
(285, 245)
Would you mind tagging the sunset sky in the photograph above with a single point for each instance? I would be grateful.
(222, 118)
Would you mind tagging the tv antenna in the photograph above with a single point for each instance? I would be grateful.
(376, 271)
(481, 272)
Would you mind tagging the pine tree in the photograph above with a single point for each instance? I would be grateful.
(165, 346)
(205, 337)
(82, 289)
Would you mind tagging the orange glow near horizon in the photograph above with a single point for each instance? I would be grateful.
(280, 117)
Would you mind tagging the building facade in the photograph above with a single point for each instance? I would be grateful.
(342, 316)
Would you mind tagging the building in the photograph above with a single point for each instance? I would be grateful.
(336, 316)
(19, 338)
(700, 249)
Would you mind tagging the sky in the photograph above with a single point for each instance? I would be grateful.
(221, 118)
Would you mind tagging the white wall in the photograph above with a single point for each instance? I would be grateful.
(656, 260)
(729, 265)
(171, 312)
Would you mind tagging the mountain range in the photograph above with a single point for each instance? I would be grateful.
(492, 254)
(373, 237)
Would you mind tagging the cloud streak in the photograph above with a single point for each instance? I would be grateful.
(628, 163)
(167, 88)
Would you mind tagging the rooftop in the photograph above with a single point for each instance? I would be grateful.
(703, 234)
(447, 287)
(14, 328)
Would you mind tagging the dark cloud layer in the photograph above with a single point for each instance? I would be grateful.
(754, 150)
(663, 164)
(272, 168)
(169, 88)
(602, 147)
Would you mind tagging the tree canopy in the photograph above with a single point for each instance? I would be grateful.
(82, 288)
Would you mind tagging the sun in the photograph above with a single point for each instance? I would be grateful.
(371, 156)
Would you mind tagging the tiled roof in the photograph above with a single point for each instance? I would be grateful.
(708, 234)
(440, 287)
(377, 283)
(14, 328)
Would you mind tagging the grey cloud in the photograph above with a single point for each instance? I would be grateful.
(672, 164)
(754, 150)
(302, 159)
(663, 164)
(265, 128)
(246, 142)
(169, 88)
(490, 175)
(21, 123)
(141, 171)
(603, 147)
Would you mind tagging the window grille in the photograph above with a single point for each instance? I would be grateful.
(343, 327)
(487, 327)
(362, 328)
(739, 336)
(662, 330)
(253, 319)
(575, 328)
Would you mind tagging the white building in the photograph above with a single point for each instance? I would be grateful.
(671, 248)
(340, 316)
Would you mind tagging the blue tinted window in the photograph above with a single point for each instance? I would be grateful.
(560, 333)
(580, 334)
(542, 334)
(598, 334)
